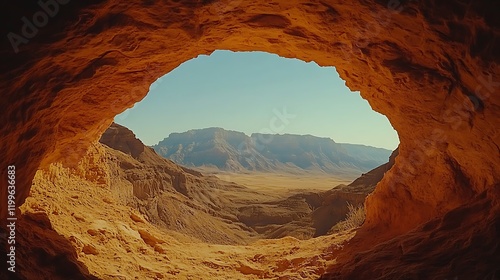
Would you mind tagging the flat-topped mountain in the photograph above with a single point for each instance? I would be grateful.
(235, 151)
(206, 208)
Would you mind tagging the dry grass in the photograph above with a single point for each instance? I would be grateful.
(355, 217)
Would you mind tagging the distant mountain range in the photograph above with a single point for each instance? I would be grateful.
(182, 200)
(236, 152)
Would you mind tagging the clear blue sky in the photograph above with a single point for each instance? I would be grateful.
(252, 92)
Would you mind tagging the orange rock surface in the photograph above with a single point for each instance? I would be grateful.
(432, 68)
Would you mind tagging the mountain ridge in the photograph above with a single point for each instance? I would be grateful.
(204, 207)
(254, 133)
(236, 151)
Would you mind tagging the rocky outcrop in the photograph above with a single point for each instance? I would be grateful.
(237, 152)
(168, 195)
(327, 209)
(175, 197)
(431, 67)
(123, 139)
(366, 183)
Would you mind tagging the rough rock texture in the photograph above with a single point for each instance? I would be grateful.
(335, 201)
(431, 67)
(328, 208)
(367, 182)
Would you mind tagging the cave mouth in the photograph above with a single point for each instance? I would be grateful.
(254, 118)
(257, 92)
(431, 68)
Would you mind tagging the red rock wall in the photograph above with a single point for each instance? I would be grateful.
(431, 67)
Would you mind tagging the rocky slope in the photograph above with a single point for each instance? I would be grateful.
(185, 201)
(171, 196)
(327, 209)
(75, 226)
(237, 152)
(123, 197)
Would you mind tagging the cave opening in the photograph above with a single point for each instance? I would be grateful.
(265, 123)
(415, 62)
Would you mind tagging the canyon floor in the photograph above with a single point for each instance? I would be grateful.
(281, 184)
(115, 242)
(126, 213)
(111, 240)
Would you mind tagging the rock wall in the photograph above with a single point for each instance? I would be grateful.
(431, 67)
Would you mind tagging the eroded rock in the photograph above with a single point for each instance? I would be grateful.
(431, 68)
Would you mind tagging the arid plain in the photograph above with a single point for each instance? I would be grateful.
(130, 214)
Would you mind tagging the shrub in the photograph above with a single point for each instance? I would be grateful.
(355, 217)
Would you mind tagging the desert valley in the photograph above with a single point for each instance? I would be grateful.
(129, 213)
(288, 197)
(221, 197)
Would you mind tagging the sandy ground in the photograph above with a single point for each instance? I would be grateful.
(281, 184)
(115, 242)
